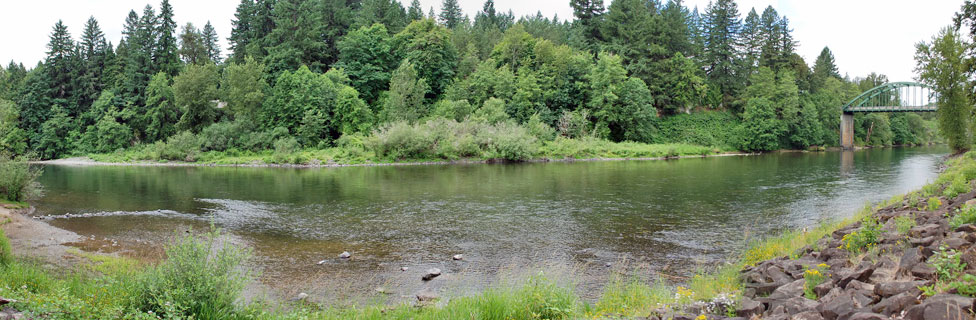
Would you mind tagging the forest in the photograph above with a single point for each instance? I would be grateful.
(367, 80)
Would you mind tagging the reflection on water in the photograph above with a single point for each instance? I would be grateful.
(670, 216)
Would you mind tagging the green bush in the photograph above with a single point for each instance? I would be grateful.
(904, 223)
(863, 238)
(814, 277)
(965, 215)
(184, 146)
(933, 203)
(18, 178)
(948, 263)
(957, 186)
(200, 278)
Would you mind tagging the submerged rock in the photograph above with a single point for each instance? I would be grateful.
(431, 274)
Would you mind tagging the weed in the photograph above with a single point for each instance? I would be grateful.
(904, 223)
(863, 238)
(933, 203)
(966, 215)
(814, 277)
(948, 263)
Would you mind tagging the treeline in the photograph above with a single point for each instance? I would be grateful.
(318, 73)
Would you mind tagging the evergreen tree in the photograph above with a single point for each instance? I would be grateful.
(676, 28)
(262, 24)
(588, 15)
(165, 56)
(721, 43)
(162, 113)
(429, 48)
(306, 33)
(240, 33)
(368, 57)
(487, 17)
(62, 66)
(93, 53)
(415, 12)
(210, 40)
(824, 68)
(193, 50)
(451, 15)
(752, 41)
(388, 12)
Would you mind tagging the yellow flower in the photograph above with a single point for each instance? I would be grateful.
(823, 265)
(701, 317)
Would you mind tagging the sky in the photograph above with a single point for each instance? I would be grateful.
(865, 35)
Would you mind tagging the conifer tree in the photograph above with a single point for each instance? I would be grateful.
(721, 43)
(415, 12)
(451, 15)
(240, 33)
(60, 65)
(210, 40)
(165, 56)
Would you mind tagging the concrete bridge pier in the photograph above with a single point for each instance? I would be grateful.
(847, 130)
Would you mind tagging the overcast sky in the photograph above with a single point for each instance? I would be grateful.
(865, 36)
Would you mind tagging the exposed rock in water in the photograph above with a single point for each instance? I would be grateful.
(431, 274)
(458, 257)
(404, 268)
(300, 297)
(345, 255)
(426, 296)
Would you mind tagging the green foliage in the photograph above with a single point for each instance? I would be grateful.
(452, 109)
(965, 215)
(243, 87)
(448, 139)
(941, 65)
(200, 277)
(351, 113)
(948, 263)
(965, 286)
(958, 185)
(933, 203)
(294, 95)
(904, 223)
(621, 105)
(194, 90)
(366, 55)
(13, 139)
(406, 97)
(162, 113)
(864, 238)
(709, 128)
(813, 277)
(492, 112)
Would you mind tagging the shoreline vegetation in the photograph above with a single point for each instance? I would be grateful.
(712, 293)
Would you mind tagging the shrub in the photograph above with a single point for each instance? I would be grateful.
(863, 238)
(222, 136)
(948, 263)
(18, 178)
(184, 146)
(512, 142)
(904, 223)
(967, 214)
(200, 278)
(957, 186)
(966, 286)
(933, 203)
(814, 277)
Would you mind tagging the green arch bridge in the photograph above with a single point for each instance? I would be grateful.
(888, 97)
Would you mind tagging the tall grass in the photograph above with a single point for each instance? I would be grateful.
(18, 178)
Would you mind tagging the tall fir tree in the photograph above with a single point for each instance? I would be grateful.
(451, 15)
(241, 30)
(193, 48)
(751, 41)
(721, 46)
(588, 15)
(211, 41)
(824, 68)
(165, 56)
(93, 51)
(388, 12)
(61, 65)
(415, 12)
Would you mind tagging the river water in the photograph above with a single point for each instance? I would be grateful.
(576, 221)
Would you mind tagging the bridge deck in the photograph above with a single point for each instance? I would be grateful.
(929, 108)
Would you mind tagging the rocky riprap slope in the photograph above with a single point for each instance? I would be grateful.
(882, 282)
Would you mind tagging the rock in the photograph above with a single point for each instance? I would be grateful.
(822, 289)
(404, 268)
(431, 274)
(867, 316)
(787, 291)
(965, 303)
(382, 290)
(909, 259)
(955, 243)
(778, 275)
(925, 230)
(345, 255)
(895, 304)
(807, 315)
(749, 308)
(321, 262)
(863, 298)
(458, 257)
(426, 296)
(924, 271)
(858, 285)
(763, 289)
(968, 228)
(937, 310)
(922, 242)
(4, 301)
(834, 252)
(862, 273)
(840, 306)
(300, 297)
(888, 289)
(794, 305)
(969, 257)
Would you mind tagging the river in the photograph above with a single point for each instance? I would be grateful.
(576, 221)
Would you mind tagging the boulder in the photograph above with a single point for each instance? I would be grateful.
(749, 308)
(458, 257)
(925, 230)
(787, 291)
(823, 288)
(867, 316)
(345, 255)
(937, 310)
(862, 273)
(888, 289)
(895, 304)
(955, 243)
(807, 315)
(924, 271)
(426, 296)
(909, 259)
(966, 303)
(431, 274)
(922, 242)
(794, 305)
(841, 306)
(968, 228)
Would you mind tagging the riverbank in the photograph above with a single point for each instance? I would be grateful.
(624, 296)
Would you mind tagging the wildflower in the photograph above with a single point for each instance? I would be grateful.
(701, 317)
(823, 265)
